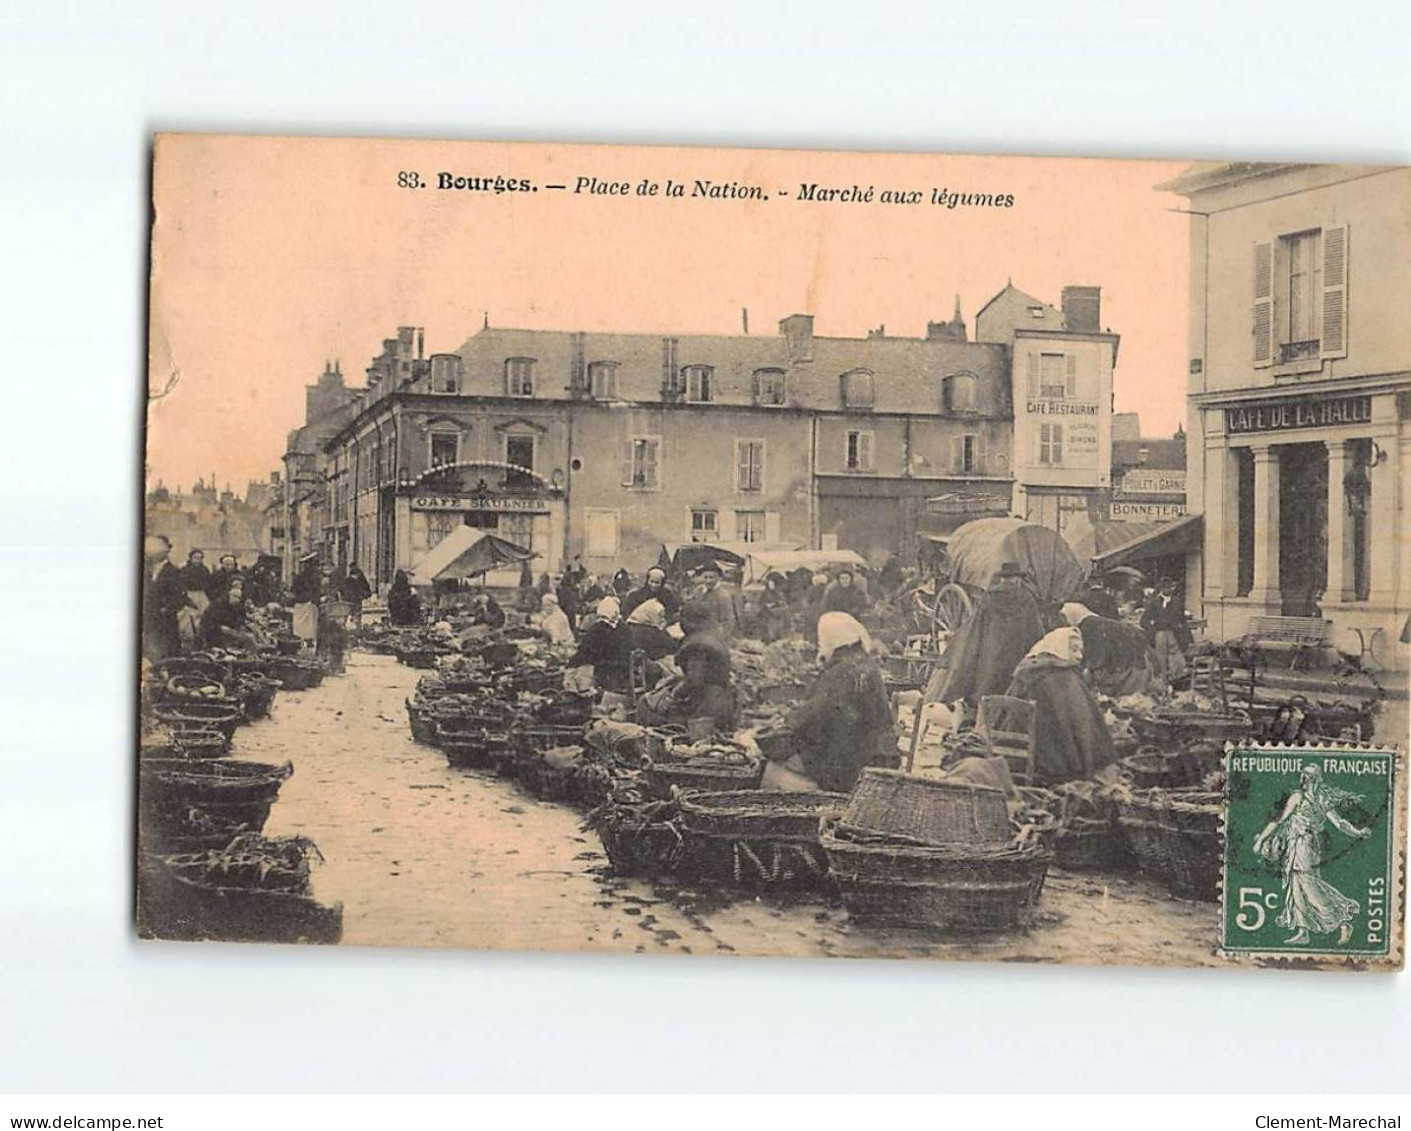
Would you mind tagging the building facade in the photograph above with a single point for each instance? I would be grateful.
(1062, 362)
(606, 446)
(1299, 426)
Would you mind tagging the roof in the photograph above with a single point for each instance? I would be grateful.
(1149, 540)
(1010, 289)
(1219, 174)
(1161, 455)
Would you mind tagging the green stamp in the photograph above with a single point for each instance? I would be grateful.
(1309, 866)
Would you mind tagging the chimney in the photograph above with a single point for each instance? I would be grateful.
(745, 320)
(798, 335)
(420, 343)
(1082, 310)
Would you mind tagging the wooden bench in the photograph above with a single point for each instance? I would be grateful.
(1004, 722)
(1305, 636)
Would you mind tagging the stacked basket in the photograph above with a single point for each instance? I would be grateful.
(923, 852)
(1175, 837)
(757, 838)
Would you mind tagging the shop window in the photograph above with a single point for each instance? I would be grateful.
(769, 388)
(700, 383)
(858, 389)
(705, 524)
(602, 380)
(519, 454)
(1051, 445)
(519, 529)
(1244, 505)
(519, 377)
(439, 524)
(445, 448)
(857, 452)
(749, 526)
(641, 466)
(749, 465)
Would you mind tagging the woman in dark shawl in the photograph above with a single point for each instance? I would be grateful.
(845, 724)
(403, 605)
(1068, 741)
(985, 650)
(1115, 654)
(702, 692)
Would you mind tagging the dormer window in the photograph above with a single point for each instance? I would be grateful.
(519, 377)
(1036, 312)
(700, 383)
(769, 387)
(858, 389)
(960, 393)
(445, 373)
(602, 380)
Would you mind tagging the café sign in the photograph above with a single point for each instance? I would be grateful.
(1305, 412)
(499, 503)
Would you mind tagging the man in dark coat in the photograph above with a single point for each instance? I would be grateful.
(982, 655)
(226, 571)
(714, 606)
(1115, 653)
(570, 601)
(356, 590)
(162, 598)
(195, 577)
(843, 595)
(1100, 600)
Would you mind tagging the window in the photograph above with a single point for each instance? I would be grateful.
(519, 377)
(1036, 312)
(601, 533)
(749, 526)
(1053, 376)
(858, 452)
(439, 524)
(641, 463)
(1051, 444)
(858, 389)
(749, 465)
(769, 387)
(1300, 297)
(517, 528)
(445, 373)
(705, 524)
(967, 453)
(700, 380)
(959, 392)
(445, 448)
(519, 453)
(602, 380)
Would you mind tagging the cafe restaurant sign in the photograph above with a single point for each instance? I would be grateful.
(1302, 412)
(502, 503)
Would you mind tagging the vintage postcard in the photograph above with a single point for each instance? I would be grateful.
(807, 554)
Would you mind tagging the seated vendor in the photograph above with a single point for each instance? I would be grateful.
(1068, 740)
(226, 619)
(703, 691)
(845, 724)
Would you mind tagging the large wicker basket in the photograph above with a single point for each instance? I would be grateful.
(1175, 837)
(927, 810)
(664, 778)
(757, 838)
(185, 806)
(176, 906)
(957, 888)
(189, 716)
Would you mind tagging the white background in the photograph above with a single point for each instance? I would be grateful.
(83, 86)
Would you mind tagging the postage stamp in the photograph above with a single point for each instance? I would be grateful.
(1309, 866)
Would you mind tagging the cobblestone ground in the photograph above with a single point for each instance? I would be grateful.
(423, 855)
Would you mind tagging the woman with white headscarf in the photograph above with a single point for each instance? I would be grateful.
(552, 621)
(1115, 654)
(646, 630)
(604, 645)
(845, 724)
(1068, 741)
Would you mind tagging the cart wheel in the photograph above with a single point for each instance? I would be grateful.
(953, 608)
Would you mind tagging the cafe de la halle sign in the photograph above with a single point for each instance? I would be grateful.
(1303, 412)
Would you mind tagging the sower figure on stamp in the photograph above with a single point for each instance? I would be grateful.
(1310, 902)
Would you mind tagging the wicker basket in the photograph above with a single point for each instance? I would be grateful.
(640, 840)
(1087, 844)
(1153, 769)
(257, 694)
(701, 776)
(755, 838)
(543, 778)
(567, 709)
(927, 810)
(423, 729)
(295, 674)
(173, 906)
(189, 716)
(533, 680)
(777, 744)
(1191, 823)
(958, 888)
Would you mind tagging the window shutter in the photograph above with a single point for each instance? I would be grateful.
(1057, 435)
(742, 465)
(948, 394)
(980, 453)
(759, 465)
(1070, 387)
(1263, 304)
(1033, 377)
(957, 453)
(1334, 337)
(626, 455)
(864, 451)
(650, 463)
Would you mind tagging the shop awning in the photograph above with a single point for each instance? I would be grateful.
(1146, 540)
(467, 552)
(969, 503)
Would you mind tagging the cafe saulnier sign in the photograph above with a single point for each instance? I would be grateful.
(1302, 412)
